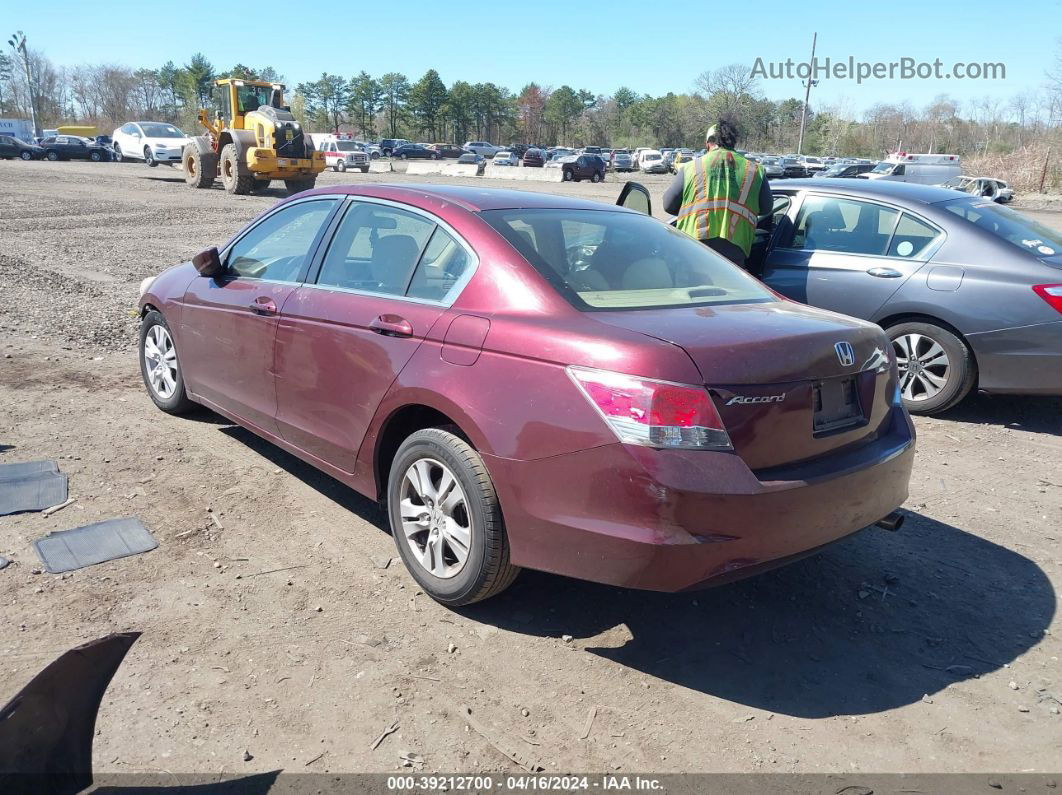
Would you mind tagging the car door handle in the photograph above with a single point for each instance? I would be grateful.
(263, 305)
(885, 273)
(392, 326)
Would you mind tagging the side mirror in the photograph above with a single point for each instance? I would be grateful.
(208, 262)
(635, 196)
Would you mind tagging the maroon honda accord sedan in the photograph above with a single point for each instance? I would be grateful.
(535, 381)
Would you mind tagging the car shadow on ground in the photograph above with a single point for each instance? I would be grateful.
(1025, 413)
(874, 622)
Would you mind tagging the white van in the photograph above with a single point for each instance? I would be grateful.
(922, 169)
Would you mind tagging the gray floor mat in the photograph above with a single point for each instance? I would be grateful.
(32, 492)
(93, 543)
(24, 469)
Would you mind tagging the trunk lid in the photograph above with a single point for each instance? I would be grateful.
(791, 383)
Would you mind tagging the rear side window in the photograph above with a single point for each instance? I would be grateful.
(912, 237)
(826, 223)
(444, 263)
(277, 247)
(375, 249)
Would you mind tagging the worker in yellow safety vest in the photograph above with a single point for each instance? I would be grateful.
(719, 197)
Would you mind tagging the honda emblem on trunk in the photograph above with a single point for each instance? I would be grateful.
(845, 353)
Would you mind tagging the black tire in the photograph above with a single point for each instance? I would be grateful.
(299, 185)
(260, 185)
(235, 183)
(95, 157)
(568, 176)
(364, 169)
(199, 169)
(149, 158)
(959, 377)
(178, 402)
(26, 155)
(118, 156)
(341, 166)
(487, 570)
(53, 156)
(596, 177)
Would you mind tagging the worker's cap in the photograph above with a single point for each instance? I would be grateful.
(712, 133)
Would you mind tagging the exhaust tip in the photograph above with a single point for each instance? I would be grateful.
(892, 522)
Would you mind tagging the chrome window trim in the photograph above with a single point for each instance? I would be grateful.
(452, 294)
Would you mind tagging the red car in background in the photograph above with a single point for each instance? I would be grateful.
(536, 381)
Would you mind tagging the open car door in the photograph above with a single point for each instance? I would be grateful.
(635, 196)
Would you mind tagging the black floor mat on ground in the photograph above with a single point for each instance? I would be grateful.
(31, 486)
(94, 543)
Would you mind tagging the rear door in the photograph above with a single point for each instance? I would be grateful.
(228, 324)
(848, 255)
(387, 276)
(7, 147)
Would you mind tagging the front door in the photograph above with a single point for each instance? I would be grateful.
(847, 255)
(344, 337)
(228, 324)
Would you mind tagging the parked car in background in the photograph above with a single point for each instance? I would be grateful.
(151, 141)
(415, 152)
(484, 148)
(448, 150)
(506, 158)
(11, 147)
(517, 149)
(792, 168)
(388, 145)
(750, 440)
(844, 170)
(968, 291)
(558, 152)
(772, 167)
(986, 187)
(812, 164)
(651, 161)
(73, 147)
(622, 160)
(533, 158)
(920, 169)
(471, 157)
(679, 159)
(343, 155)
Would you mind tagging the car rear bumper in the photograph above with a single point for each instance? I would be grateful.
(676, 520)
(1024, 361)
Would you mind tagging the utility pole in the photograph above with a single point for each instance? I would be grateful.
(18, 44)
(807, 93)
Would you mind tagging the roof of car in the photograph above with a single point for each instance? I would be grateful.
(469, 197)
(890, 189)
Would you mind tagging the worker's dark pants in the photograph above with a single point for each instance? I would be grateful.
(723, 246)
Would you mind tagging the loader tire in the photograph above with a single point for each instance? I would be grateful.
(230, 173)
(260, 185)
(199, 168)
(299, 185)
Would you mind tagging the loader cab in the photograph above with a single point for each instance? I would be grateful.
(237, 98)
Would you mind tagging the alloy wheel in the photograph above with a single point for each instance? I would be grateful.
(923, 364)
(436, 521)
(160, 357)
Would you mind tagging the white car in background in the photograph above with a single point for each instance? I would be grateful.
(484, 148)
(506, 158)
(651, 161)
(153, 142)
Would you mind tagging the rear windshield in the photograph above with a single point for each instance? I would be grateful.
(601, 259)
(1003, 222)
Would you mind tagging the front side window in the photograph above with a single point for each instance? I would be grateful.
(600, 259)
(278, 246)
(375, 249)
(827, 223)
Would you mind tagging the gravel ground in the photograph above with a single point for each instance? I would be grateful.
(281, 629)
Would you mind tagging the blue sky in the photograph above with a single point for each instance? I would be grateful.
(653, 48)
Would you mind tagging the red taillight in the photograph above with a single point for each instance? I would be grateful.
(1052, 293)
(653, 413)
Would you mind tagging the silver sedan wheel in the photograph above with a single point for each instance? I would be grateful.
(161, 359)
(436, 521)
(924, 366)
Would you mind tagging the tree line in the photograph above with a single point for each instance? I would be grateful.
(392, 105)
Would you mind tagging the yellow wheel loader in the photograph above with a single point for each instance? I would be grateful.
(252, 140)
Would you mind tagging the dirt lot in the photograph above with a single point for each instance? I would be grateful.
(276, 630)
